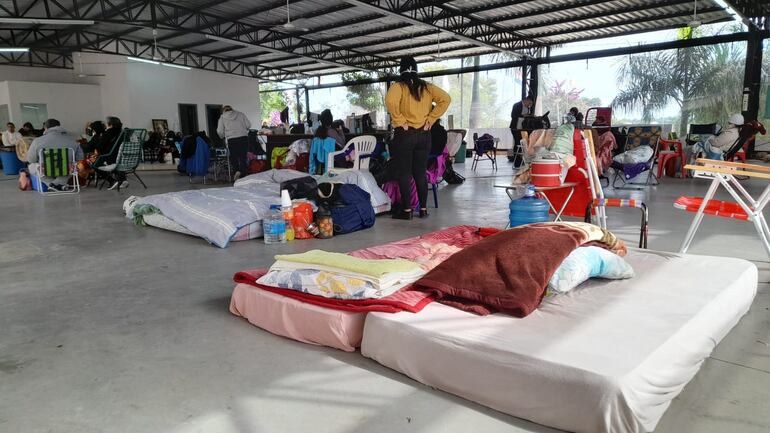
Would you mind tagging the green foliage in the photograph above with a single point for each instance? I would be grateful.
(366, 96)
(272, 101)
(705, 82)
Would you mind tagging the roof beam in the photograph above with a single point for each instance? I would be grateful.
(58, 41)
(471, 31)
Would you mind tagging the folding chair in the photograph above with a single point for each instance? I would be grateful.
(129, 156)
(363, 147)
(622, 178)
(56, 163)
(745, 207)
(597, 207)
(486, 150)
(102, 159)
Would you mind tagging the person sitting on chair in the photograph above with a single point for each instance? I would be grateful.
(714, 146)
(54, 137)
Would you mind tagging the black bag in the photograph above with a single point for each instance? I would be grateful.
(451, 176)
(328, 194)
(301, 187)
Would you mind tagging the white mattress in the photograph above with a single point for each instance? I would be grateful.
(608, 357)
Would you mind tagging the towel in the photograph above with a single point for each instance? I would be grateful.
(371, 268)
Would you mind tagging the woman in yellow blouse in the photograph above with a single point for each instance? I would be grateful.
(414, 105)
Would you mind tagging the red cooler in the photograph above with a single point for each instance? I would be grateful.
(546, 172)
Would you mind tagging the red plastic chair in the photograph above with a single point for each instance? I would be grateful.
(666, 154)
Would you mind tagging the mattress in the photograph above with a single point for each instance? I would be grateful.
(607, 357)
(298, 320)
(248, 232)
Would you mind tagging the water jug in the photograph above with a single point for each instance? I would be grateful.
(274, 226)
(528, 209)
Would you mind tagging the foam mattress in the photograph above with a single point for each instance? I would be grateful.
(298, 320)
(607, 357)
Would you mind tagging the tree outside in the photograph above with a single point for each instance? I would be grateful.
(558, 96)
(271, 102)
(704, 82)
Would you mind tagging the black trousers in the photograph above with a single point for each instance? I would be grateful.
(516, 147)
(409, 150)
(239, 146)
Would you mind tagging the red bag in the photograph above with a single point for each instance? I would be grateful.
(257, 166)
(25, 184)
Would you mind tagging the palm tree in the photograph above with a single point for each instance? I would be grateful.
(705, 82)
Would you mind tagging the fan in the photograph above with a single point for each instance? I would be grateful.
(82, 74)
(289, 26)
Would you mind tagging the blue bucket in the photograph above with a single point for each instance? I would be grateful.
(11, 163)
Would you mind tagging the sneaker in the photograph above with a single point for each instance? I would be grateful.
(236, 176)
(56, 187)
(114, 185)
(124, 184)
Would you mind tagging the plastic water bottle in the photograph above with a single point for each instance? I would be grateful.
(274, 226)
(528, 209)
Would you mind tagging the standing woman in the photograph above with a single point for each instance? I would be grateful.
(410, 102)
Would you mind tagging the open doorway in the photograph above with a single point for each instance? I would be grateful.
(188, 119)
(213, 112)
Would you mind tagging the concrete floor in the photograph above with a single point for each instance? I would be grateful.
(109, 327)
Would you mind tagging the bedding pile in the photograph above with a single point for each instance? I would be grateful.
(509, 272)
(336, 275)
(222, 215)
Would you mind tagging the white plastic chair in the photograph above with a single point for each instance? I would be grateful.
(363, 146)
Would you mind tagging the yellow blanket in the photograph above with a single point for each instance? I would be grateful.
(373, 268)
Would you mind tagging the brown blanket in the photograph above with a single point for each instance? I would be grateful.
(508, 272)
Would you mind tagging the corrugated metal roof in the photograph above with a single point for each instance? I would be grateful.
(327, 36)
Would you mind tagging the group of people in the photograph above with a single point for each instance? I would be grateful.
(101, 139)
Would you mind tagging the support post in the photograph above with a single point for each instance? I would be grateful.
(307, 104)
(752, 79)
(299, 104)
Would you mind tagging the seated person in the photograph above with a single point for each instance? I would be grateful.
(714, 146)
(27, 130)
(11, 137)
(54, 137)
(438, 138)
(105, 145)
(94, 131)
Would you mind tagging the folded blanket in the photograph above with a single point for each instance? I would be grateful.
(411, 301)
(324, 260)
(509, 272)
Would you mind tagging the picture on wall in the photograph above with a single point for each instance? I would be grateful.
(160, 126)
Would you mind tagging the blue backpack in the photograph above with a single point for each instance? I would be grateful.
(352, 210)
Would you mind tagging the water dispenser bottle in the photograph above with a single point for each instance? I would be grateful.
(528, 209)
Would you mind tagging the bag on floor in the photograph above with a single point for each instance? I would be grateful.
(451, 176)
(301, 188)
(25, 184)
(353, 211)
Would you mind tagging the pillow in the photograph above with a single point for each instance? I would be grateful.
(563, 139)
(585, 263)
(326, 284)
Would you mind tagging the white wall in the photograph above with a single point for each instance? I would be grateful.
(72, 104)
(139, 92)
(156, 91)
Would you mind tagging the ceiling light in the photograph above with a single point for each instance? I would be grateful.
(137, 59)
(171, 65)
(13, 50)
(45, 21)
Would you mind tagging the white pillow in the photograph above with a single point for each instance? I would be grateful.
(585, 263)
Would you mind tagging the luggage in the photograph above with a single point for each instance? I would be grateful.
(352, 210)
